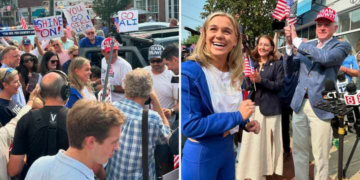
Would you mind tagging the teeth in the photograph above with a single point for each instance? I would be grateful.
(219, 44)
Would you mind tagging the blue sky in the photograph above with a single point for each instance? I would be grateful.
(190, 15)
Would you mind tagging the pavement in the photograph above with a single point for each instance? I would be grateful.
(353, 172)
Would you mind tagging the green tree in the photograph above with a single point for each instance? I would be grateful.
(191, 40)
(108, 8)
(254, 15)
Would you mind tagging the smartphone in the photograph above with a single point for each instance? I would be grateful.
(34, 79)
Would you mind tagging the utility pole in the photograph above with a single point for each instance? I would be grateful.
(52, 7)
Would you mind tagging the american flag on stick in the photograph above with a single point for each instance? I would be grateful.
(248, 69)
(286, 9)
(23, 23)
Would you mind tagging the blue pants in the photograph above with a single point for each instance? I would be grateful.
(209, 160)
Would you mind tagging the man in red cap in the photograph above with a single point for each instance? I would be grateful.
(119, 67)
(316, 61)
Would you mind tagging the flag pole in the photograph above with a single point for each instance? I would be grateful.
(108, 70)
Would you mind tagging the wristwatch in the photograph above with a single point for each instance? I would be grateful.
(172, 111)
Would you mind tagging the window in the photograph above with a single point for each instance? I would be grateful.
(355, 19)
(312, 32)
(344, 22)
(305, 33)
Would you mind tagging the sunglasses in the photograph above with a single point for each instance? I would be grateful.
(28, 60)
(8, 71)
(54, 61)
(75, 55)
(55, 44)
(90, 33)
(156, 61)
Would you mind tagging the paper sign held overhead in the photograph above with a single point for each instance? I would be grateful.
(49, 27)
(78, 18)
(128, 21)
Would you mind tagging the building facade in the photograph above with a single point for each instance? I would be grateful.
(157, 10)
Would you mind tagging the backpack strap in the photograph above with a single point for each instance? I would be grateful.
(145, 144)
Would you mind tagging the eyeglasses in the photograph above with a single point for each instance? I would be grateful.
(75, 55)
(156, 61)
(54, 61)
(8, 71)
(90, 33)
(56, 45)
(28, 60)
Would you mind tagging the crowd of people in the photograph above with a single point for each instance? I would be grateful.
(55, 126)
(219, 99)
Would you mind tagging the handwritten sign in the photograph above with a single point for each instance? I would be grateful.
(78, 18)
(128, 21)
(49, 27)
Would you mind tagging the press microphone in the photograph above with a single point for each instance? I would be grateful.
(330, 93)
(352, 96)
(341, 84)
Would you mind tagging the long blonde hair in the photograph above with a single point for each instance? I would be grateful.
(75, 81)
(235, 57)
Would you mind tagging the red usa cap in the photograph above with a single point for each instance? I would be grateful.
(106, 45)
(329, 14)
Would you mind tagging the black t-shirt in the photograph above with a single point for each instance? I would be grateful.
(31, 135)
(8, 110)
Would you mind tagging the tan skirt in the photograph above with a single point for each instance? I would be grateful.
(258, 156)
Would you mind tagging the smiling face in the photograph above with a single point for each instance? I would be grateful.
(220, 37)
(84, 72)
(264, 47)
(325, 29)
(13, 86)
(52, 63)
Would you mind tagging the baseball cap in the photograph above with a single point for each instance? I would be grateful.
(26, 42)
(155, 51)
(328, 13)
(106, 45)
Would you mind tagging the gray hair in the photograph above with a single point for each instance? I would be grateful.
(52, 89)
(138, 83)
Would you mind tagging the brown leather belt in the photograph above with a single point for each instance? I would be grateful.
(226, 133)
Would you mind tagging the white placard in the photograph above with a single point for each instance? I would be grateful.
(128, 21)
(78, 18)
(49, 27)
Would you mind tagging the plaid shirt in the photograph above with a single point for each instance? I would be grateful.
(126, 164)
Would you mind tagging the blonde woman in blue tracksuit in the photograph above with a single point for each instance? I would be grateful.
(212, 106)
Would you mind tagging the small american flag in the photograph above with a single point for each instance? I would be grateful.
(286, 8)
(23, 23)
(176, 161)
(248, 69)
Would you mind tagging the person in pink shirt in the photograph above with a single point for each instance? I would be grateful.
(62, 53)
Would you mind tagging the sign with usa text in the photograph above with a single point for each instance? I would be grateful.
(49, 27)
(128, 21)
(78, 18)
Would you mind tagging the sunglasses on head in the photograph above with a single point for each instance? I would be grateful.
(89, 33)
(28, 60)
(54, 61)
(8, 71)
(156, 61)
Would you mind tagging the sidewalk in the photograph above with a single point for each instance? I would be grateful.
(353, 172)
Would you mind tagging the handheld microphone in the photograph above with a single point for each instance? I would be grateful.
(341, 84)
(352, 96)
(330, 93)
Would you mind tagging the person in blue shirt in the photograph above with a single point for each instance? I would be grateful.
(79, 76)
(11, 59)
(91, 40)
(104, 29)
(350, 66)
(212, 107)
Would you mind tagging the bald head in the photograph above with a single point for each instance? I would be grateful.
(50, 86)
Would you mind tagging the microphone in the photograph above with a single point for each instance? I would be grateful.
(352, 96)
(330, 93)
(341, 84)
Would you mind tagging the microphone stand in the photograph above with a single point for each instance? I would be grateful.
(339, 109)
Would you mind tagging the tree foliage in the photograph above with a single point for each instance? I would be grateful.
(191, 40)
(108, 8)
(254, 15)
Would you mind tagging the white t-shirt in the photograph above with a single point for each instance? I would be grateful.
(88, 95)
(166, 92)
(224, 97)
(118, 70)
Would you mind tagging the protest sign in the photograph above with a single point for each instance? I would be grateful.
(78, 18)
(128, 21)
(49, 27)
